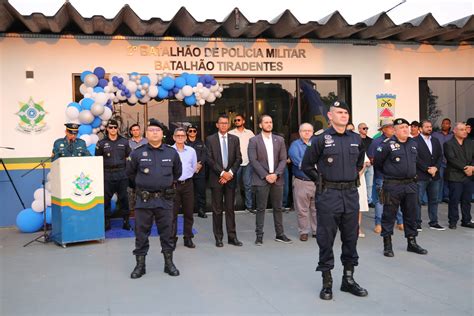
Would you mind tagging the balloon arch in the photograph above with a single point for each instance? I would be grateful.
(96, 108)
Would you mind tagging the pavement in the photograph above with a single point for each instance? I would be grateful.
(276, 279)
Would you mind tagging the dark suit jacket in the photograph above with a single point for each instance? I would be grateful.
(214, 158)
(259, 160)
(457, 158)
(426, 159)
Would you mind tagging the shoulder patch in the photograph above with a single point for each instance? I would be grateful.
(319, 132)
(386, 140)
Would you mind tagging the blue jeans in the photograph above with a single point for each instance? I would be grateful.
(369, 181)
(379, 206)
(244, 176)
(429, 188)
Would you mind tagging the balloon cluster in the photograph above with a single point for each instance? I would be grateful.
(30, 219)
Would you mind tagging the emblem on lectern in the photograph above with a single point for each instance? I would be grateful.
(82, 184)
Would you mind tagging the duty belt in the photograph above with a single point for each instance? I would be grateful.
(114, 168)
(147, 195)
(340, 185)
(399, 181)
(303, 179)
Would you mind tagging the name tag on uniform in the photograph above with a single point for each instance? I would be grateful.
(145, 159)
(165, 160)
(354, 145)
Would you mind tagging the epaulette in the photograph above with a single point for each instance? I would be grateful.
(139, 146)
(319, 132)
(386, 140)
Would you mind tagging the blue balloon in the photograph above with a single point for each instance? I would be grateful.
(29, 221)
(134, 74)
(76, 105)
(98, 89)
(179, 82)
(103, 83)
(175, 90)
(84, 74)
(138, 94)
(91, 149)
(48, 215)
(192, 80)
(99, 72)
(202, 79)
(213, 82)
(170, 94)
(95, 123)
(167, 83)
(191, 100)
(162, 93)
(85, 129)
(86, 103)
(145, 79)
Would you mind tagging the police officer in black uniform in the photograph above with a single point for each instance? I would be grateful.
(70, 145)
(339, 156)
(155, 168)
(396, 159)
(199, 178)
(115, 150)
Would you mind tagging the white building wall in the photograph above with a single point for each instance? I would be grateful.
(55, 60)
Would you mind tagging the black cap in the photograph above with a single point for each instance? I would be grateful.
(400, 121)
(72, 128)
(112, 122)
(340, 105)
(192, 126)
(155, 122)
(415, 123)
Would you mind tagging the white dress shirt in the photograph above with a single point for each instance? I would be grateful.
(268, 141)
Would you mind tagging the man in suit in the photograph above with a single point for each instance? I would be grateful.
(224, 159)
(267, 155)
(459, 152)
(428, 164)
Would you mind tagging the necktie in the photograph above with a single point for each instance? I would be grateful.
(224, 153)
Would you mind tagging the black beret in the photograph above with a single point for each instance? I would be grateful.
(112, 122)
(400, 121)
(72, 128)
(155, 122)
(341, 105)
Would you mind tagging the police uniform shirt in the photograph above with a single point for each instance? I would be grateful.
(154, 169)
(395, 159)
(339, 157)
(64, 148)
(115, 153)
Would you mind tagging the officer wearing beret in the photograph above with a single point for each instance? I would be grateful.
(115, 150)
(396, 159)
(339, 156)
(155, 168)
(70, 145)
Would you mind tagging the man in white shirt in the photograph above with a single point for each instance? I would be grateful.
(244, 175)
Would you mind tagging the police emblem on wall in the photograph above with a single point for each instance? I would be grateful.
(385, 107)
(32, 117)
(82, 185)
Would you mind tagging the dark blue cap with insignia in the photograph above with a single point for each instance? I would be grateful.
(400, 121)
(112, 122)
(72, 128)
(155, 122)
(340, 105)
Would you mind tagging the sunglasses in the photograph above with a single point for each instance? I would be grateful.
(112, 127)
(192, 131)
(237, 120)
(365, 128)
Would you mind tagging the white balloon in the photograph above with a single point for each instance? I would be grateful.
(83, 89)
(131, 86)
(90, 90)
(195, 89)
(214, 87)
(94, 138)
(199, 85)
(101, 98)
(91, 80)
(145, 85)
(202, 102)
(48, 199)
(106, 115)
(205, 92)
(187, 90)
(97, 109)
(153, 91)
(125, 78)
(102, 127)
(37, 206)
(38, 195)
(88, 95)
(211, 97)
(104, 123)
(87, 139)
(218, 94)
(139, 87)
(179, 96)
(47, 186)
(133, 99)
(153, 79)
(220, 89)
(86, 117)
(72, 113)
(120, 97)
(107, 89)
(145, 99)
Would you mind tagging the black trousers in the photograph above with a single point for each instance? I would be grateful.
(144, 218)
(337, 209)
(276, 197)
(404, 196)
(460, 193)
(110, 188)
(184, 200)
(223, 202)
(199, 193)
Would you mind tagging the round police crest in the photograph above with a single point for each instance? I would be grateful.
(144, 154)
(397, 159)
(330, 159)
(146, 170)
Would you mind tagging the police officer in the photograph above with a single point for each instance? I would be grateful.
(396, 159)
(199, 178)
(70, 145)
(339, 156)
(115, 150)
(155, 168)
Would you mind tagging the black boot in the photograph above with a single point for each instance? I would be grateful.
(170, 268)
(326, 291)
(126, 223)
(387, 246)
(202, 213)
(139, 269)
(349, 284)
(414, 247)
